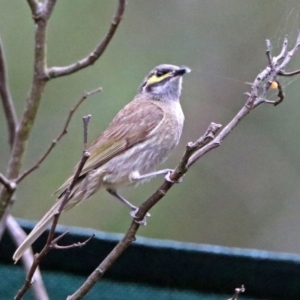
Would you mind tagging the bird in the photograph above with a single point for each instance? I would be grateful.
(141, 136)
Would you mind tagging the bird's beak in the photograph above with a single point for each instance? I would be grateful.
(181, 71)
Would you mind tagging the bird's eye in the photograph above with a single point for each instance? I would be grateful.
(159, 73)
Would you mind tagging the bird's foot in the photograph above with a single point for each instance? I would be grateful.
(167, 177)
(141, 222)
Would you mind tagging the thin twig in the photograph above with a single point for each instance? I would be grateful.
(18, 235)
(27, 120)
(55, 72)
(257, 96)
(34, 6)
(7, 102)
(75, 245)
(192, 147)
(63, 132)
(48, 7)
(146, 206)
(49, 244)
(283, 51)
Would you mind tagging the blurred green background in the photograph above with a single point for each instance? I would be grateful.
(245, 193)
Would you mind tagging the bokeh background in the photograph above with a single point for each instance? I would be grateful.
(245, 193)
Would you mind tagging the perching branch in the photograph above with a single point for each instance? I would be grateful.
(63, 132)
(7, 102)
(193, 153)
(257, 96)
(18, 235)
(51, 242)
(96, 53)
(144, 208)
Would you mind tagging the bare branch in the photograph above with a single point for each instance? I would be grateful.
(9, 185)
(193, 153)
(192, 147)
(60, 136)
(75, 245)
(34, 6)
(50, 240)
(146, 206)
(284, 47)
(107, 262)
(31, 108)
(7, 102)
(18, 235)
(48, 7)
(96, 53)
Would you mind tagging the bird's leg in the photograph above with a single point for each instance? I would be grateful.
(134, 209)
(114, 193)
(135, 176)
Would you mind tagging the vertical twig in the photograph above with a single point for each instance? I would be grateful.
(32, 104)
(50, 240)
(7, 102)
(59, 137)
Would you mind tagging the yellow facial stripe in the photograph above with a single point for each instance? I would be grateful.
(155, 79)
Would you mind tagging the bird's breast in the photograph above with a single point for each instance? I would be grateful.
(146, 155)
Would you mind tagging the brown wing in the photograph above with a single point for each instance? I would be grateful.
(130, 126)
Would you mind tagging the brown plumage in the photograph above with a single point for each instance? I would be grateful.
(140, 137)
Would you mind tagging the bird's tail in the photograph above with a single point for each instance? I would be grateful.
(39, 228)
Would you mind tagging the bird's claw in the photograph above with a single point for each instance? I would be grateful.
(141, 222)
(167, 177)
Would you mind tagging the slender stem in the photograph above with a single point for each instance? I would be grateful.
(34, 6)
(205, 143)
(60, 136)
(96, 53)
(129, 237)
(7, 102)
(50, 240)
(28, 117)
(48, 7)
(38, 258)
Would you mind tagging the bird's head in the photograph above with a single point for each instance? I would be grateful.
(164, 82)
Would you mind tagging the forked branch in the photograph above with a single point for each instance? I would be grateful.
(60, 136)
(96, 53)
(51, 242)
(193, 153)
